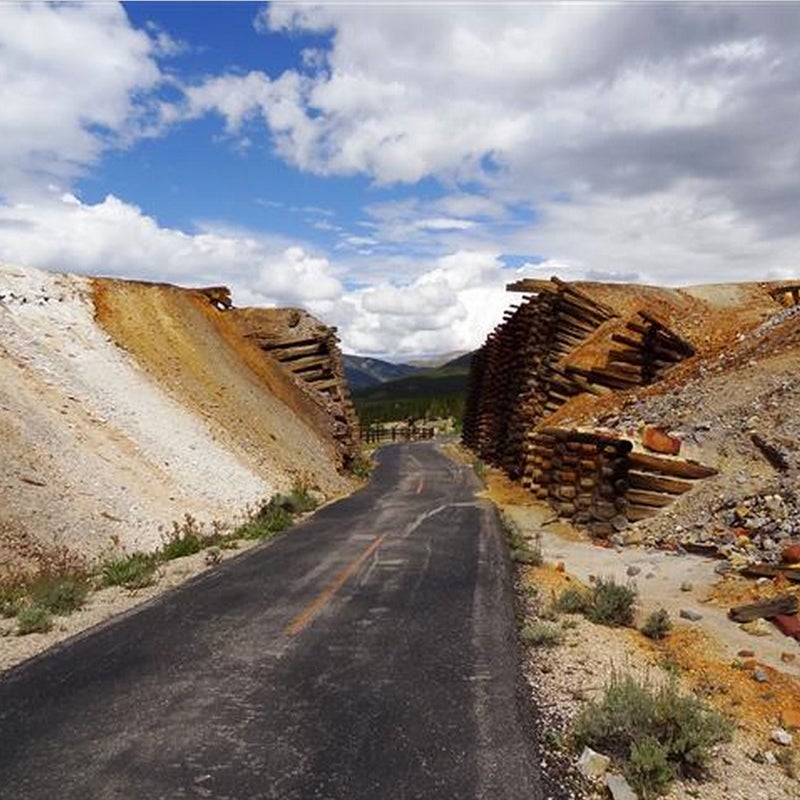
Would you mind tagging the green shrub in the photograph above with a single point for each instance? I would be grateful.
(132, 572)
(11, 599)
(541, 634)
(33, 618)
(522, 550)
(59, 594)
(185, 539)
(612, 603)
(657, 625)
(573, 601)
(648, 768)
(360, 467)
(654, 732)
(298, 501)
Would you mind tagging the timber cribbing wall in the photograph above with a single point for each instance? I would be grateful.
(516, 380)
(519, 378)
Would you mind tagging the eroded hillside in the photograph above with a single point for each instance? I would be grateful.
(124, 406)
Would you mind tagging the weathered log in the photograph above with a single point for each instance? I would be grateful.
(669, 466)
(770, 571)
(635, 513)
(643, 498)
(656, 483)
(776, 458)
(702, 549)
(785, 604)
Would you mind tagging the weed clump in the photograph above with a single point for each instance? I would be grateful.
(33, 618)
(185, 539)
(657, 625)
(541, 634)
(133, 572)
(59, 594)
(522, 550)
(655, 733)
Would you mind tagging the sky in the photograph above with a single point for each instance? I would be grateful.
(392, 166)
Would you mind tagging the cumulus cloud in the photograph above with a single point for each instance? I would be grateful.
(614, 140)
(117, 239)
(72, 79)
(663, 110)
(451, 306)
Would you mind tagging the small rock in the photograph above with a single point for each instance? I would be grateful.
(691, 614)
(757, 627)
(686, 586)
(760, 676)
(619, 788)
(632, 571)
(788, 658)
(768, 757)
(746, 653)
(791, 554)
(592, 764)
(782, 737)
(619, 522)
(790, 719)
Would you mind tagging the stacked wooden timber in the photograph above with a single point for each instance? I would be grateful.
(309, 351)
(516, 380)
(645, 352)
(598, 480)
(656, 481)
(582, 474)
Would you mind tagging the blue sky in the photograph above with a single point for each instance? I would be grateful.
(391, 166)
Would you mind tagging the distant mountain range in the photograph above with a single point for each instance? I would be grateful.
(384, 391)
(363, 372)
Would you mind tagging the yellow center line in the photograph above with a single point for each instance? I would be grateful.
(301, 621)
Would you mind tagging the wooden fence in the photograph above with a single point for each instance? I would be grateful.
(407, 433)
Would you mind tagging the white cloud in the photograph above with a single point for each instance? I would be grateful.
(451, 306)
(71, 80)
(601, 103)
(445, 224)
(118, 239)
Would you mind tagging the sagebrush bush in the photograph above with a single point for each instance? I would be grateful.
(655, 733)
(12, 596)
(657, 625)
(33, 618)
(133, 572)
(648, 767)
(541, 634)
(612, 603)
(59, 594)
(573, 601)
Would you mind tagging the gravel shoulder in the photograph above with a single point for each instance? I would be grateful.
(701, 655)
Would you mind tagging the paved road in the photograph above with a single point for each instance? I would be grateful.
(369, 653)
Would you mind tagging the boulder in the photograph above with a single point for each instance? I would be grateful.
(592, 764)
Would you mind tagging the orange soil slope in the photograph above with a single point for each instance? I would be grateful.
(203, 361)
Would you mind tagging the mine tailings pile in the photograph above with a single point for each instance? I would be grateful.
(127, 405)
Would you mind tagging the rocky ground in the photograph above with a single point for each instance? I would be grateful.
(753, 678)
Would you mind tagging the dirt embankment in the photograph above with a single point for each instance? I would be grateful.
(124, 406)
